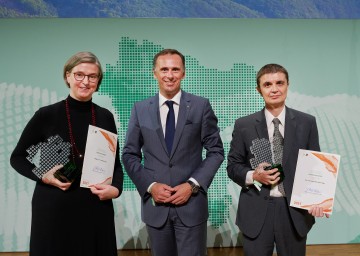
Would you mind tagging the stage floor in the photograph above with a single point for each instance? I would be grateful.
(311, 250)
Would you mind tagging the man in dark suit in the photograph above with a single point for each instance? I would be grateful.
(174, 178)
(264, 215)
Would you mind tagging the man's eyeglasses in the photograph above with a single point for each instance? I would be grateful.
(80, 76)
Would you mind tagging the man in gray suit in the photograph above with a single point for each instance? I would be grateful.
(264, 215)
(174, 178)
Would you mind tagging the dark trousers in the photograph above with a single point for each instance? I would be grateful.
(278, 229)
(176, 239)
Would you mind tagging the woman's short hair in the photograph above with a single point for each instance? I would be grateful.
(82, 57)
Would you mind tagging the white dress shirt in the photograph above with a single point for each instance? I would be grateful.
(164, 109)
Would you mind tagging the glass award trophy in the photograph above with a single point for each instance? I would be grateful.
(45, 155)
(261, 149)
(67, 173)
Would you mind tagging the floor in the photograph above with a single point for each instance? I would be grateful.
(312, 250)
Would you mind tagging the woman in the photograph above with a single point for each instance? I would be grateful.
(67, 219)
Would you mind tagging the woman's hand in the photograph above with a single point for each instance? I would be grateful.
(49, 179)
(104, 192)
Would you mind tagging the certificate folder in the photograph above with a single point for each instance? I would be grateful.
(315, 180)
(99, 158)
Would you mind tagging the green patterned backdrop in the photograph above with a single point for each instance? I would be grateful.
(222, 58)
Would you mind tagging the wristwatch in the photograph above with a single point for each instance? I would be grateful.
(194, 187)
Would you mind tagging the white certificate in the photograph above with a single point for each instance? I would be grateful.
(315, 180)
(99, 158)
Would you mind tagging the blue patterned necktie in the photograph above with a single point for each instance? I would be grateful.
(278, 146)
(170, 126)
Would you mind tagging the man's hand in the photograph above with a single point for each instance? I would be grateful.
(161, 192)
(49, 179)
(181, 195)
(104, 192)
(268, 177)
(318, 211)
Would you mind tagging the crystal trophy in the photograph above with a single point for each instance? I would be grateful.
(261, 149)
(67, 173)
(45, 155)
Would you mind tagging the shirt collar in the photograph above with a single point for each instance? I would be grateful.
(269, 117)
(175, 99)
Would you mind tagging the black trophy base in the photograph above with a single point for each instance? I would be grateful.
(67, 173)
(280, 169)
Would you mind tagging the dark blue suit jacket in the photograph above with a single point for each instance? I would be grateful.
(300, 133)
(196, 129)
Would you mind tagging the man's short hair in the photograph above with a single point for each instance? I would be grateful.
(270, 69)
(168, 51)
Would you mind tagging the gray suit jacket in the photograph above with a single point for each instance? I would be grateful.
(300, 133)
(196, 129)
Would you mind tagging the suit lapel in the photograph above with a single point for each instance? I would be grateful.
(289, 134)
(261, 127)
(184, 108)
(154, 112)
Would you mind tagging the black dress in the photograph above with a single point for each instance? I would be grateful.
(73, 222)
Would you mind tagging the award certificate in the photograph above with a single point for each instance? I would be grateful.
(315, 180)
(99, 158)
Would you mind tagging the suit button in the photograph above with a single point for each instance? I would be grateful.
(170, 165)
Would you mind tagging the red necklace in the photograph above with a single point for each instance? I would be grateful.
(72, 140)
